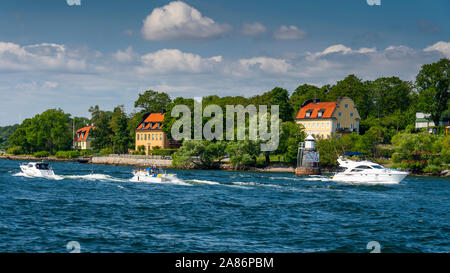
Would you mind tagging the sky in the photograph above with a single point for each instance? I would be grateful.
(73, 54)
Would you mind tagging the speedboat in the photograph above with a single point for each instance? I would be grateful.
(37, 169)
(367, 172)
(155, 175)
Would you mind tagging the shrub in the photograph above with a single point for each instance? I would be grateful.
(166, 152)
(15, 150)
(138, 153)
(106, 151)
(67, 154)
(41, 154)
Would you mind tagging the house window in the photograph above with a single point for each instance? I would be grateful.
(145, 136)
(320, 114)
(323, 125)
(346, 105)
(153, 137)
(340, 114)
(351, 126)
(312, 125)
(160, 137)
(137, 136)
(328, 125)
(351, 115)
(338, 125)
(308, 114)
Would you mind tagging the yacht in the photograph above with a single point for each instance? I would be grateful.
(155, 175)
(367, 172)
(37, 169)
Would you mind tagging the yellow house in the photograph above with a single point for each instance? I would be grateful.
(149, 133)
(326, 119)
(83, 139)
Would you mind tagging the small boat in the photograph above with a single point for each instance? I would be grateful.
(367, 172)
(37, 169)
(152, 175)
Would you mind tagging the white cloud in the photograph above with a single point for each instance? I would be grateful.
(177, 20)
(125, 56)
(73, 2)
(442, 47)
(45, 56)
(340, 49)
(265, 64)
(174, 60)
(253, 29)
(289, 33)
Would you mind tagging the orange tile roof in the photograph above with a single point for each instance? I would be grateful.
(152, 120)
(79, 134)
(314, 108)
(155, 117)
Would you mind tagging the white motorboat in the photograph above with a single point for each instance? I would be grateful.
(367, 172)
(154, 175)
(36, 169)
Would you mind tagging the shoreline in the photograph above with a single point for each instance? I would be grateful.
(276, 168)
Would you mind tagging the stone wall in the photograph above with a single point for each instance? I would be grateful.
(128, 161)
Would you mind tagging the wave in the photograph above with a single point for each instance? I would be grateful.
(203, 182)
(255, 184)
(94, 177)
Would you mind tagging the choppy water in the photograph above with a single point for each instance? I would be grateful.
(217, 211)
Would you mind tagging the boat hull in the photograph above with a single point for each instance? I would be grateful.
(392, 178)
(37, 173)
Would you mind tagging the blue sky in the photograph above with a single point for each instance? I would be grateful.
(53, 54)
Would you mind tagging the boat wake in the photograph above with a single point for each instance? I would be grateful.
(202, 182)
(95, 177)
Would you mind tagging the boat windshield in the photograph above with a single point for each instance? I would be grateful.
(42, 166)
(377, 167)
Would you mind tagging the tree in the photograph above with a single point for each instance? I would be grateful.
(48, 131)
(202, 154)
(103, 134)
(243, 153)
(306, 92)
(119, 126)
(290, 138)
(152, 101)
(433, 82)
(357, 90)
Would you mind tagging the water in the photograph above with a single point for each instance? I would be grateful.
(217, 211)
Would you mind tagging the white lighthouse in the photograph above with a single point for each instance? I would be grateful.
(307, 158)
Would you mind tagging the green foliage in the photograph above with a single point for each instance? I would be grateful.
(119, 126)
(48, 131)
(103, 134)
(290, 138)
(421, 152)
(41, 154)
(306, 92)
(68, 154)
(106, 151)
(152, 102)
(15, 150)
(203, 154)
(5, 133)
(433, 82)
(141, 148)
(243, 154)
(165, 152)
